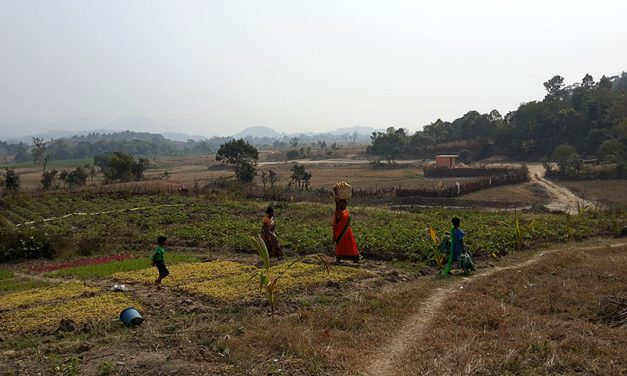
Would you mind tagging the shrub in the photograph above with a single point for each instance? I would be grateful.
(11, 180)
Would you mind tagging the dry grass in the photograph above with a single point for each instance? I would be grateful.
(524, 194)
(608, 192)
(188, 170)
(542, 319)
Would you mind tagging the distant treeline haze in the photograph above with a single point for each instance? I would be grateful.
(150, 144)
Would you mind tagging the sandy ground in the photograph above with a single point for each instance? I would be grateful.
(561, 198)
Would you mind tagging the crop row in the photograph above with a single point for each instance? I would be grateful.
(45, 294)
(228, 280)
(305, 228)
(101, 307)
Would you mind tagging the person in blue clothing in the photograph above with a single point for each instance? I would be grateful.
(456, 248)
(457, 241)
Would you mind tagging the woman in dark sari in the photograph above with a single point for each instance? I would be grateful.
(268, 234)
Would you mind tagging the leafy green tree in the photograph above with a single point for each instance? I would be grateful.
(40, 152)
(605, 83)
(612, 151)
(570, 166)
(272, 178)
(300, 177)
(562, 152)
(389, 145)
(122, 167)
(555, 87)
(242, 156)
(494, 115)
(465, 156)
(588, 82)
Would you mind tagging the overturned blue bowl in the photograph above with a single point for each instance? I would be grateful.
(129, 316)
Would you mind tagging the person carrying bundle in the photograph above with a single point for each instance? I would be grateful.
(345, 244)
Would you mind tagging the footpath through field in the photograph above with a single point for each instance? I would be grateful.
(387, 360)
(561, 197)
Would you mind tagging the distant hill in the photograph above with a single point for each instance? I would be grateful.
(258, 132)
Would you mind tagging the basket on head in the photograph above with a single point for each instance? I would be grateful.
(342, 191)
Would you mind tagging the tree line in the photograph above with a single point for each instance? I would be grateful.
(585, 115)
(150, 144)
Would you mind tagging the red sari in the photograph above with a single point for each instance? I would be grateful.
(345, 244)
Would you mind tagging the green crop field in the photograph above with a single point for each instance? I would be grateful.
(111, 224)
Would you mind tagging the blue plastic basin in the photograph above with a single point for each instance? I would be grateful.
(129, 316)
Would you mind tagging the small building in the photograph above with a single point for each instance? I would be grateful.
(446, 160)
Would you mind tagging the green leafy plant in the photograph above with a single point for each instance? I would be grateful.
(438, 257)
(518, 237)
(268, 283)
(106, 368)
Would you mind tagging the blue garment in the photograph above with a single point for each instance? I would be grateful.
(456, 237)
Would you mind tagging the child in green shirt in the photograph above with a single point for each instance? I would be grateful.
(159, 261)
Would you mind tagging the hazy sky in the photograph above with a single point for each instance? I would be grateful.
(216, 67)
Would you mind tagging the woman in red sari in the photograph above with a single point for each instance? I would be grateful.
(345, 244)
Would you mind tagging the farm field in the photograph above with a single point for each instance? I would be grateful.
(60, 317)
(110, 224)
(189, 170)
(524, 194)
(612, 193)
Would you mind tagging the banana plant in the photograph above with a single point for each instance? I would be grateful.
(438, 257)
(268, 283)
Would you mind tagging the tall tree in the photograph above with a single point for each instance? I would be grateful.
(555, 87)
(242, 156)
(40, 152)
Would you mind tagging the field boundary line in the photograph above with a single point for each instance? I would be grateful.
(98, 213)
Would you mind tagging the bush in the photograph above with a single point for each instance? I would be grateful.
(121, 167)
(11, 180)
(24, 243)
(74, 178)
(48, 179)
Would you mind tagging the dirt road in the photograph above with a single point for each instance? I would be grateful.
(388, 359)
(561, 197)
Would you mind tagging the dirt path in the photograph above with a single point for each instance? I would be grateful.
(388, 358)
(561, 197)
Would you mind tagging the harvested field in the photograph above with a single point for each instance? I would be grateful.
(612, 193)
(525, 194)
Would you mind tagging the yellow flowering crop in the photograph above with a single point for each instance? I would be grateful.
(43, 294)
(98, 308)
(228, 280)
(188, 272)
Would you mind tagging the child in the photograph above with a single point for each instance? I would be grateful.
(158, 260)
(456, 246)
